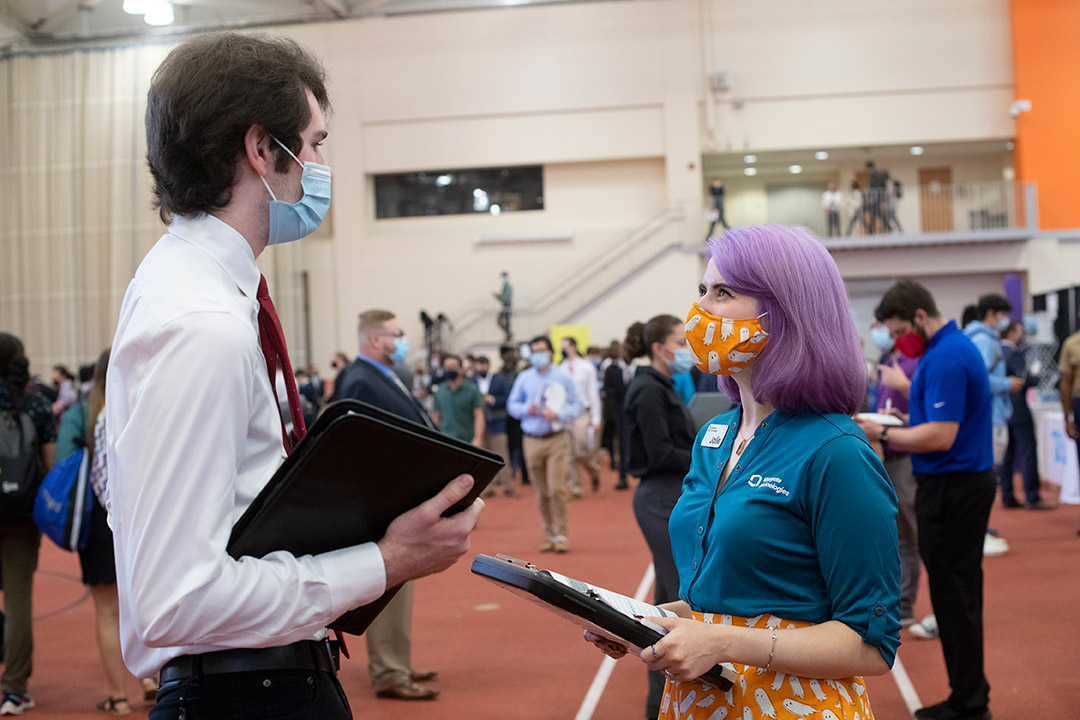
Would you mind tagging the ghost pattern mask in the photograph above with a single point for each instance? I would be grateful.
(722, 346)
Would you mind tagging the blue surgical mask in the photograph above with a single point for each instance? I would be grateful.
(1003, 323)
(882, 338)
(292, 221)
(682, 362)
(540, 359)
(401, 350)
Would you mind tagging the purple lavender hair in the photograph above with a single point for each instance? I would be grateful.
(813, 362)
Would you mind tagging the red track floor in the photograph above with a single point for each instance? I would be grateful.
(499, 657)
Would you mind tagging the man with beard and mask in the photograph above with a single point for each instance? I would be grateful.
(235, 125)
(459, 406)
(546, 402)
(372, 379)
(896, 370)
(949, 437)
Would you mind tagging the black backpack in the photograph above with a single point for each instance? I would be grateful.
(19, 472)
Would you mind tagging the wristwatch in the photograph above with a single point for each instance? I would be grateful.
(884, 436)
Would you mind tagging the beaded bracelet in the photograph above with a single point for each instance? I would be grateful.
(772, 651)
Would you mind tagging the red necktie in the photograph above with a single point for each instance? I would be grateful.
(272, 340)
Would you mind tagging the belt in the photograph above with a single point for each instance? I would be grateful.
(544, 436)
(304, 655)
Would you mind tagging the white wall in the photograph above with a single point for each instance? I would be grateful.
(850, 72)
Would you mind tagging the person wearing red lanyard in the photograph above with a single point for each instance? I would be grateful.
(235, 126)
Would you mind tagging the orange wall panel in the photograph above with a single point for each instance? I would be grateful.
(1046, 67)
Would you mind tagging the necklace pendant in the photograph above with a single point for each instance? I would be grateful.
(742, 446)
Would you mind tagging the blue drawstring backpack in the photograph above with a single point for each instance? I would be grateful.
(64, 502)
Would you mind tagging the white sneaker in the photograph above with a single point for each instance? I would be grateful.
(15, 704)
(994, 545)
(925, 629)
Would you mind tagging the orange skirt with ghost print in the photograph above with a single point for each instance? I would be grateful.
(760, 694)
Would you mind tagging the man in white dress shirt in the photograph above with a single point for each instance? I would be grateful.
(586, 428)
(234, 128)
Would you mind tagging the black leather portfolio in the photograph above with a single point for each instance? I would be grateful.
(606, 613)
(357, 469)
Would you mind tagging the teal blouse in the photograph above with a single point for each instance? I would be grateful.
(804, 529)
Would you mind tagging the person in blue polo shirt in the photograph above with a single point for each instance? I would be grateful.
(784, 535)
(949, 435)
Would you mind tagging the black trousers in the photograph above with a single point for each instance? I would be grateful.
(1020, 451)
(953, 510)
(654, 500)
(267, 695)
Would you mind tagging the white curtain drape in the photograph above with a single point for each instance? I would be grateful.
(75, 195)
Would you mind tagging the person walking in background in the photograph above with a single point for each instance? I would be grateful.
(831, 201)
(546, 402)
(66, 392)
(495, 389)
(784, 534)
(661, 436)
(614, 386)
(1069, 385)
(459, 406)
(949, 435)
(371, 379)
(856, 202)
(81, 427)
(505, 296)
(27, 452)
(716, 190)
(586, 428)
(896, 370)
(1021, 449)
(992, 317)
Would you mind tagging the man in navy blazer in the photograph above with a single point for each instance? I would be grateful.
(371, 379)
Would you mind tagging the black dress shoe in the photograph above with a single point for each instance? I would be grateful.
(408, 691)
(1010, 504)
(942, 711)
(422, 675)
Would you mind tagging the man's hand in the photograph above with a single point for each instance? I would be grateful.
(550, 415)
(893, 377)
(535, 409)
(1015, 384)
(422, 542)
(1071, 429)
(489, 399)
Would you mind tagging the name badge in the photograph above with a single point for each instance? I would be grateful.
(714, 436)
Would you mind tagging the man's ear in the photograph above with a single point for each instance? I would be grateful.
(257, 150)
(919, 320)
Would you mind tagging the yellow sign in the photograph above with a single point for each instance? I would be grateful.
(580, 333)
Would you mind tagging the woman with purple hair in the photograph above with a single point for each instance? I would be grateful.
(785, 533)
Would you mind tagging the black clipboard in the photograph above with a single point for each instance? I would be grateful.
(581, 608)
(357, 469)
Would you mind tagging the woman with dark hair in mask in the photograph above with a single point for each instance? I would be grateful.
(29, 419)
(661, 434)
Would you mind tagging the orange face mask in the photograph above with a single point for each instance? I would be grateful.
(722, 346)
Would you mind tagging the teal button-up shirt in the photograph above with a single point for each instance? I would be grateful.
(804, 528)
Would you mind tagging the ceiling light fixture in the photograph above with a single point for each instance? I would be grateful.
(795, 169)
(160, 12)
(137, 7)
(916, 150)
(749, 159)
(821, 155)
(750, 171)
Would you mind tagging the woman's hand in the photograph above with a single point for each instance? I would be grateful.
(689, 649)
(609, 647)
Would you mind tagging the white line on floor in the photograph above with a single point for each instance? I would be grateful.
(903, 683)
(607, 665)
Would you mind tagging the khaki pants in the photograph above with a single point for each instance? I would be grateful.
(389, 642)
(548, 459)
(19, 545)
(1001, 443)
(498, 444)
(584, 455)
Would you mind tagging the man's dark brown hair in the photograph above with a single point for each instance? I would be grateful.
(202, 100)
(903, 300)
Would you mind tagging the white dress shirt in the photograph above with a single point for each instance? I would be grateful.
(193, 435)
(583, 373)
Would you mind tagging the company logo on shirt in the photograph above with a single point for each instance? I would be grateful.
(939, 405)
(773, 483)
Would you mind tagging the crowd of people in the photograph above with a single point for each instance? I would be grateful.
(786, 532)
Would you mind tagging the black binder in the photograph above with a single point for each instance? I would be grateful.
(357, 469)
(581, 608)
